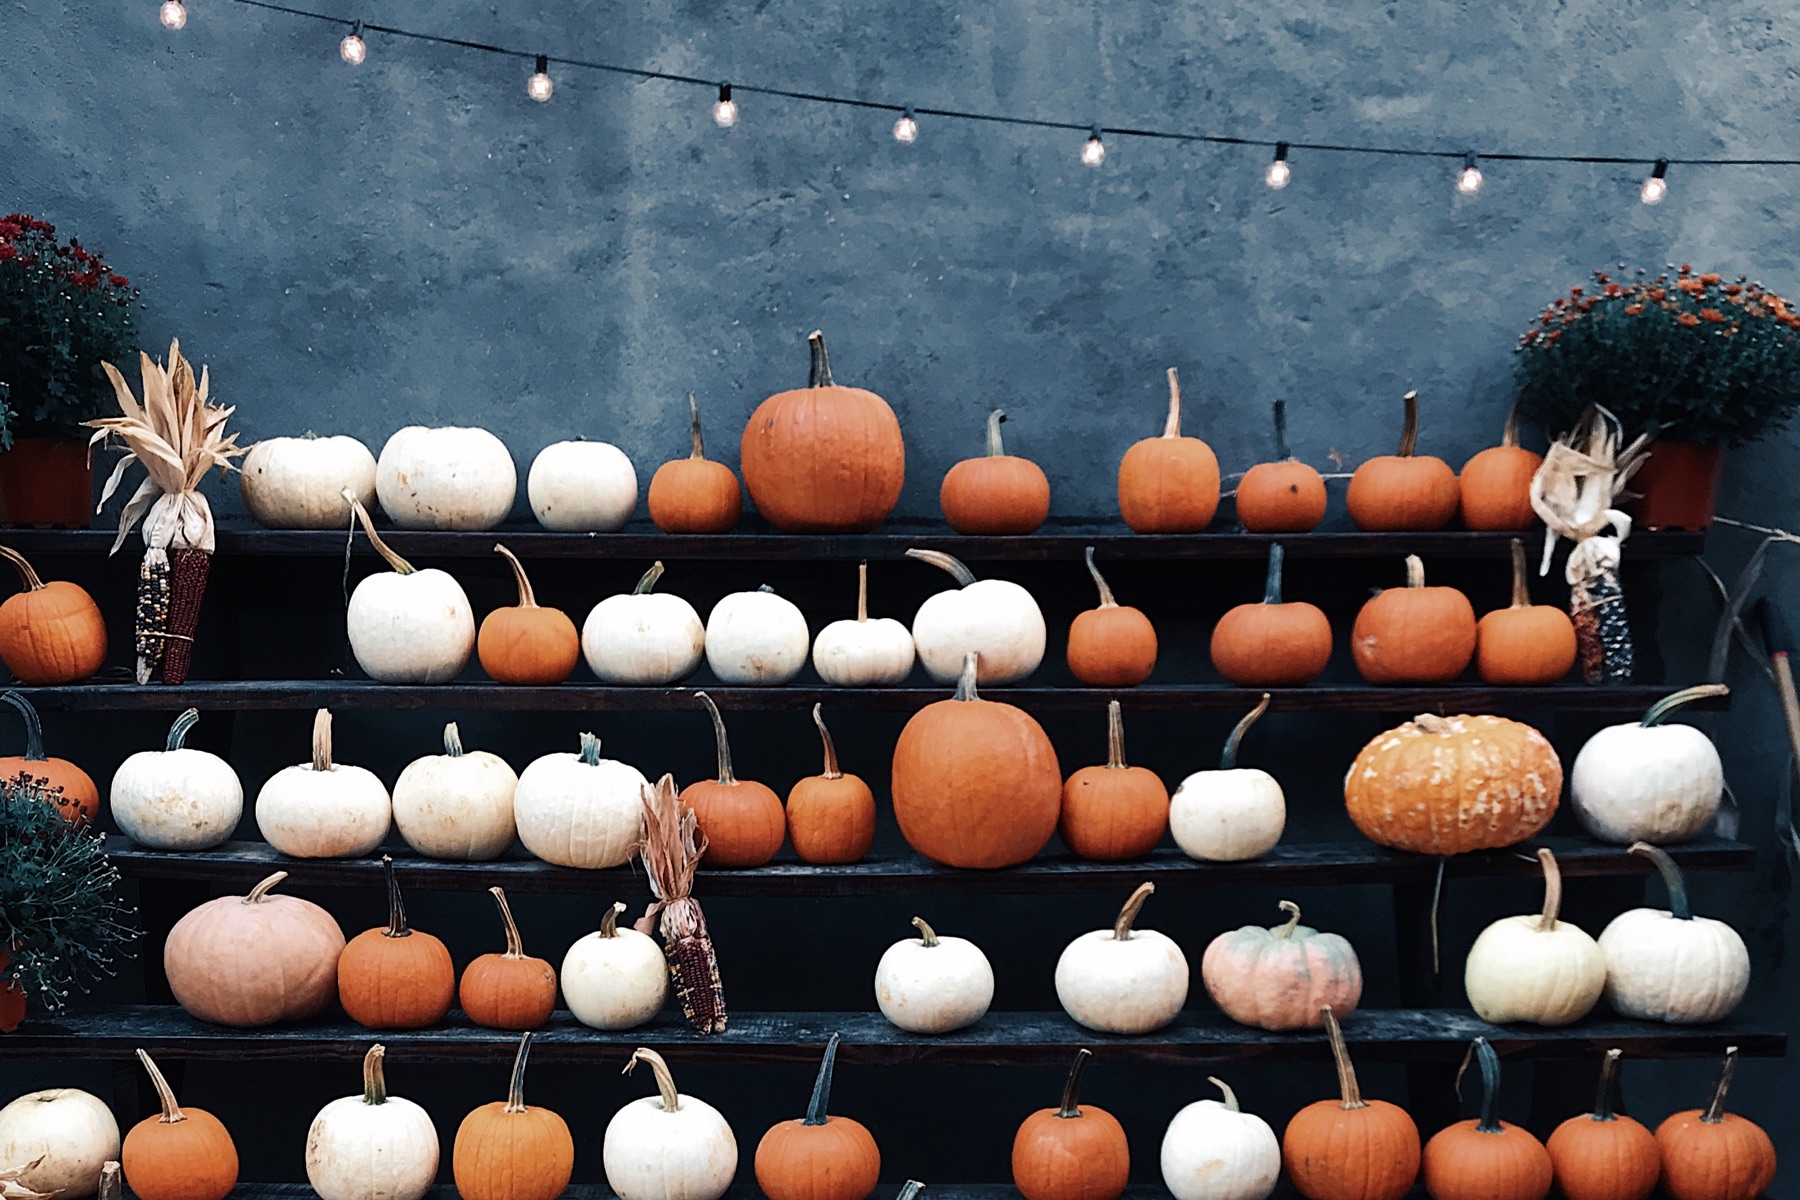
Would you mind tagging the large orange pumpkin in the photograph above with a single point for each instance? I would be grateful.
(830, 816)
(527, 643)
(695, 494)
(395, 977)
(1114, 812)
(50, 633)
(510, 1151)
(1113, 645)
(80, 801)
(975, 782)
(1711, 1154)
(1350, 1148)
(1272, 644)
(819, 1156)
(510, 990)
(1525, 644)
(1495, 485)
(1486, 1158)
(1603, 1155)
(179, 1154)
(824, 458)
(741, 820)
(1285, 496)
(1071, 1152)
(1415, 634)
(1403, 492)
(1169, 484)
(1448, 785)
(997, 494)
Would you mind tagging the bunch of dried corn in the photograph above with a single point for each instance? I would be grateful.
(154, 586)
(670, 851)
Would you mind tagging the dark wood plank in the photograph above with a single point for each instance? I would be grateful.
(748, 1191)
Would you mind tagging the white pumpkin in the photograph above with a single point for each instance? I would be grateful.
(668, 1146)
(407, 625)
(580, 810)
(932, 984)
(299, 482)
(373, 1146)
(646, 637)
(1232, 814)
(322, 809)
(1123, 980)
(991, 617)
(176, 798)
(1669, 965)
(863, 653)
(582, 487)
(457, 805)
(446, 478)
(756, 638)
(1535, 968)
(615, 978)
(1214, 1151)
(62, 1137)
(1649, 782)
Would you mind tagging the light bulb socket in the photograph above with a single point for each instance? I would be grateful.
(356, 30)
(543, 64)
(724, 93)
(1660, 169)
(1094, 134)
(1469, 161)
(1281, 149)
(907, 114)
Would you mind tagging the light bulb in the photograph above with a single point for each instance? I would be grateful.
(1278, 174)
(1469, 182)
(539, 87)
(1093, 151)
(906, 129)
(353, 49)
(173, 14)
(725, 111)
(1655, 187)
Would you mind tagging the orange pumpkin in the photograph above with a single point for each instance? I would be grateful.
(1415, 634)
(818, 1157)
(50, 633)
(695, 494)
(1113, 645)
(1525, 644)
(181, 1154)
(741, 821)
(998, 494)
(509, 990)
(823, 458)
(830, 816)
(527, 643)
(1272, 644)
(1113, 812)
(1169, 484)
(1486, 1158)
(1711, 1154)
(975, 783)
(80, 800)
(12, 998)
(1495, 485)
(1602, 1155)
(1071, 1152)
(1350, 1148)
(1404, 492)
(1285, 496)
(510, 1151)
(395, 977)
(1448, 785)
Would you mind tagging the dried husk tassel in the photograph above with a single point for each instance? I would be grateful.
(670, 852)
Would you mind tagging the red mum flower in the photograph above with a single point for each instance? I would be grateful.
(1657, 293)
(118, 280)
(1613, 289)
(1713, 315)
(7, 250)
(1634, 309)
(1710, 279)
(1574, 291)
(1688, 319)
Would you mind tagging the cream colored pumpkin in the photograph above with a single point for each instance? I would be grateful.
(176, 798)
(580, 810)
(1123, 980)
(582, 487)
(1669, 965)
(1232, 814)
(445, 478)
(863, 652)
(996, 619)
(323, 809)
(615, 978)
(299, 482)
(1212, 1150)
(61, 1137)
(932, 984)
(1535, 968)
(406, 625)
(457, 805)
(644, 637)
(1280, 978)
(668, 1146)
(1649, 782)
(756, 638)
(373, 1146)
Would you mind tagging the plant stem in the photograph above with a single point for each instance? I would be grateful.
(927, 935)
(821, 1093)
(831, 759)
(719, 740)
(1715, 1110)
(1603, 1096)
(862, 592)
(1672, 878)
(179, 730)
(665, 1082)
(1172, 427)
(1129, 913)
(374, 1079)
(321, 740)
(995, 447)
(1552, 890)
(28, 576)
(171, 1111)
(1106, 593)
(937, 558)
(1521, 586)
(515, 948)
(397, 927)
(609, 921)
(965, 683)
(1231, 1100)
(1115, 736)
(819, 374)
(34, 727)
(647, 581)
(1349, 1092)
(1409, 430)
(1283, 932)
(264, 888)
(362, 514)
(453, 746)
(1669, 704)
(1272, 580)
(1228, 759)
(527, 597)
(699, 450)
(1071, 1104)
(515, 1090)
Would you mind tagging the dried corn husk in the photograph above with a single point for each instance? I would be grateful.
(12, 1189)
(670, 851)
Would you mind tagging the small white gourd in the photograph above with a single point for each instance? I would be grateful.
(457, 805)
(615, 978)
(1123, 980)
(1214, 1151)
(668, 1146)
(299, 482)
(993, 618)
(1669, 965)
(1649, 782)
(863, 653)
(1233, 814)
(756, 638)
(322, 809)
(177, 798)
(1535, 968)
(580, 810)
(645, 637)
(406, 625)
(932, 984)
(373, 1146)
(582, 487)
(445, 478)
(57, 1140)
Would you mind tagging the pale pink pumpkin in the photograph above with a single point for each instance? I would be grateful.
(1280, 978)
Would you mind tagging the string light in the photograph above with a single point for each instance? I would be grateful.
(725, 111)
(1469, 182)
(173, 14)
(353, 49)
(1655, 187)
(539, 87)
(1093, 152)
(1278, 174)
(906, 129)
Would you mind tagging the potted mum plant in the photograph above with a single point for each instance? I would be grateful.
(63, 312)
(1700, 363)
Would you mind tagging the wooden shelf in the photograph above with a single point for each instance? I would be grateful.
(1320, 863)
(749, 1191)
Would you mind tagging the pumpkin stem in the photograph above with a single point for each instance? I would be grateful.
(1715, 1111)
(699, 450)
(1228, 758)
(28, 577)
(1552, 890)
(590, 750)
(1521, 589)
(1509, 436)
(1350, 1094)
(112, 1182)
(1415, 571)
(321, 740)
(831, 759)
(1609, 1076)
(527, 597)
(515, 948)
(374, 1079)
(1172, 426)
(1282, 453)
(862, 591)
(34, 728)
(362, 514)
(609, 921)
(927, 935)
(821, 1093)
(647, 581)
(665, 1082)
(1128, 914)
(397, 927)
(1115, 736)
(937, 558)
(264, 888)
(1272, 581)
(1106, 593)
(719, 739)
(179, 730)
(1409, 430)
(171, 1111)
(1071, 1106)
(910, 1190)
(819, 374)
(965, 683)
(1283, 932)
(515, 1088)
(1672, 878)
(1231, 1100)
(1669, 704)
(1489, 1121)
(453, 746)
(995, 447)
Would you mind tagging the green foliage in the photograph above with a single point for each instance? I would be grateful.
(1693, 358)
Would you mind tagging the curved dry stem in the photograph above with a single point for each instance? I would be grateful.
(1668, 704)
(937, 558)
(927, 935)
(262, 889)
(819, 373)
(1106, 593)
(1349, 1092)
(1409, 430)
(821, 1093)
(515, 948)
(374, 1078)
(1231, 1100)
(515, 1090)
(1115, 736)
(609, 921)
(699, 445)
(362, 515)
(1228, 757)
(720, 742)
(647, 581)
(995, 447)
(527, 597)
(1679, 908)
(1509, 436)
(1133, 905)
(321, 740)
(178, 730)
(1552, 890)
(1283, 932)
(1172, 426)
(1071, 1097)
(831, 759)
(28, 576)
(171, 1111)
(34, 726)
(665, 1082)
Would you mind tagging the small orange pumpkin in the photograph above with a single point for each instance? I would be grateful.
(1169, 484)
(1285, 496)
(1602, 1155)
(695, 494)
(831, 815)
(1114, 812)
(50, 633)
(1495, 485)
(510, 1151)
(1350, 1148)
(527, 643)
(1713, 1154)
(1113, 645)
(1486, 1158)
(1415, 634)
(1275, 643)
(1404, 492)
(1071, 1152)
(12, 998)
(395, 977)
(741, 820)
(509, 990)
(181, 1154)
(1524, 644)
(818, 1157)
(997, 494)
(80, 800)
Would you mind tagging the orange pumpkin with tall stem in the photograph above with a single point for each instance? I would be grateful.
(742, 821)
(831, 815)
(510, 990)
(999, 493)
(1495, 485)
(395, 977)
(1285, 496)
(508, 1150)
(1113, 645)
(1604, 1155)
(50, 633)
(1711, 1154)
(695, 494)
(527, 643)
(1415, 634)
(80, 801)
(1071, 1152)
(1114, 812)
(180, 1154)
(1405, 492)
(1169, 484)
(1350, 1148)
(1273, 644)
(819, 1156)
(1486, 1158)
(1524, 644)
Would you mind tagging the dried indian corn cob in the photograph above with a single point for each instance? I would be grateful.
(187, 587)
(1602, 632)
(154, 585)
(693, 966)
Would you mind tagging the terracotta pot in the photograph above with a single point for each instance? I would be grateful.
(1679, 483)
(12, 1001)
(44, 483)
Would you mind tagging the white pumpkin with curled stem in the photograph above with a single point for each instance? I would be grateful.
(1123, 980)
(643, 637)
(1213, 1150)
(323, 809)
(668, 1146)
(56, 1141)
(457, 805)
(582, 487)
(451, 477)
(580, 810)
(1233, 814)
(757, 639)
(177, 798)
(615, 978)
(993, 618)
(1645, 781)
(863, 652)
(933, 984)
(299, 482)
(373, 1146)
(1535, 968)
(408, 625)
(1669, 965)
